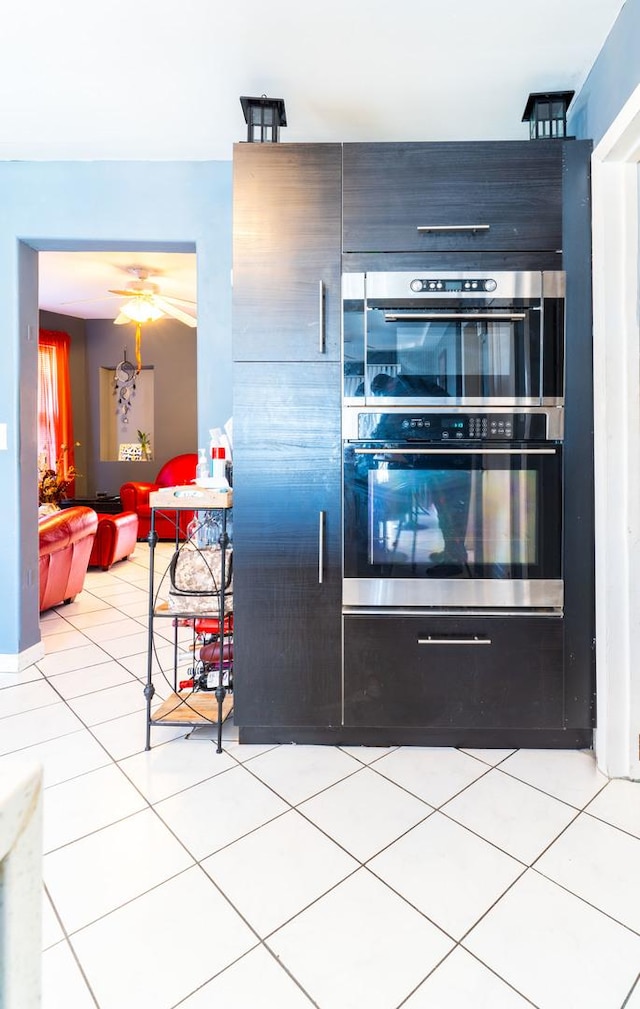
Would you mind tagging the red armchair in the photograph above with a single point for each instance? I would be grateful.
(177, 472)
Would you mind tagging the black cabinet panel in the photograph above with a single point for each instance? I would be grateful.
(392, 189)
(287, 202)
(449, 671)
(286, 527)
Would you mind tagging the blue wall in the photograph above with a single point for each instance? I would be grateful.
(613, 78)
(170, 206)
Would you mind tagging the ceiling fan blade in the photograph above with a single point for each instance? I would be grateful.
(128, 292)
(176, 312)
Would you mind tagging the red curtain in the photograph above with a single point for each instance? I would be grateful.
(55, 420)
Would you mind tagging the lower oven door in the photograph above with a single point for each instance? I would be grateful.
(453, 526)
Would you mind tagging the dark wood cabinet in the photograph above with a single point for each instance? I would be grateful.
(303, 671)
(450, 672)
(287, 515)
(513, 191)
(287, 565)
(287, 241)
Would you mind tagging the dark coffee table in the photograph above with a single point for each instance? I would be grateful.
(107, 505)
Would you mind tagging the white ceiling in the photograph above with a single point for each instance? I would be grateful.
(78, 283)
(161, 79)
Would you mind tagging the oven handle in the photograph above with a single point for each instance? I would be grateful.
(410, 450)
(454, 641)
(427, 228)
(449, 316)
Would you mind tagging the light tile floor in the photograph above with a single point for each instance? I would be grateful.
(285, 877)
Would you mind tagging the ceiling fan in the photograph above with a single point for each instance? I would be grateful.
(146, 304)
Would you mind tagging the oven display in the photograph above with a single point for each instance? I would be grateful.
(452, 427)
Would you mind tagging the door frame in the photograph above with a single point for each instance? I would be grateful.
(616, 362)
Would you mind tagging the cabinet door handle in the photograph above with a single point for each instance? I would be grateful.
(321, 338)
(429, 228)
(454, 641)
(321, 516)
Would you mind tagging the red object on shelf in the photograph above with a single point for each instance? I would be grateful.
(211, 625)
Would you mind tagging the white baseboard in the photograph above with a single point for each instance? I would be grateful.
(16, 663)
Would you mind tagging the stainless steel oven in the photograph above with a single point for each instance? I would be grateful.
(467, 338)
(453, 508)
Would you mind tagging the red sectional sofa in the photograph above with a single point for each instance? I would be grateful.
(66, 540)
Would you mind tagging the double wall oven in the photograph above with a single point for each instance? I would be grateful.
(453, 435)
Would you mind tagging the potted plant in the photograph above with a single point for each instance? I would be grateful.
(145, 444)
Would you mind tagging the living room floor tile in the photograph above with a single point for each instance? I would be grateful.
(103, 705)
(375, 948)
(86, 602)
(86, 681)
(130, 644)
(108, 632)
(365, 812)
(177, 923)
(303, 864)
(94, 618)
(462, 982)
(67, 639)
(447, 872)
(510, 814)
(73, 658)
(433, 774)
(96, 874)
(555, 949)
(53, 622)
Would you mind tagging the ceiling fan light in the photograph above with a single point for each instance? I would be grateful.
(139, 310)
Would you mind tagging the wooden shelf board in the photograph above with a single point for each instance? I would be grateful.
(192, 707)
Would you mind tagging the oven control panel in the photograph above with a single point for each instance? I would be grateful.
(442, 427)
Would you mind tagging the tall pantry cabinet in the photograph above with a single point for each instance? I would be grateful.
(286, 316)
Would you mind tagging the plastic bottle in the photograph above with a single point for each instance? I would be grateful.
(219, 464)
(202, 469)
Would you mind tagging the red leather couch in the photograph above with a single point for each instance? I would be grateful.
(66, 539)
(178, 472)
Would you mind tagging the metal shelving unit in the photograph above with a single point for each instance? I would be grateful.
(191, 707)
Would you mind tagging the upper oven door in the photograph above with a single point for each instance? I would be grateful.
(426, 338)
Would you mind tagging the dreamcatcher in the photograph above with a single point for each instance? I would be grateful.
(125, 386)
